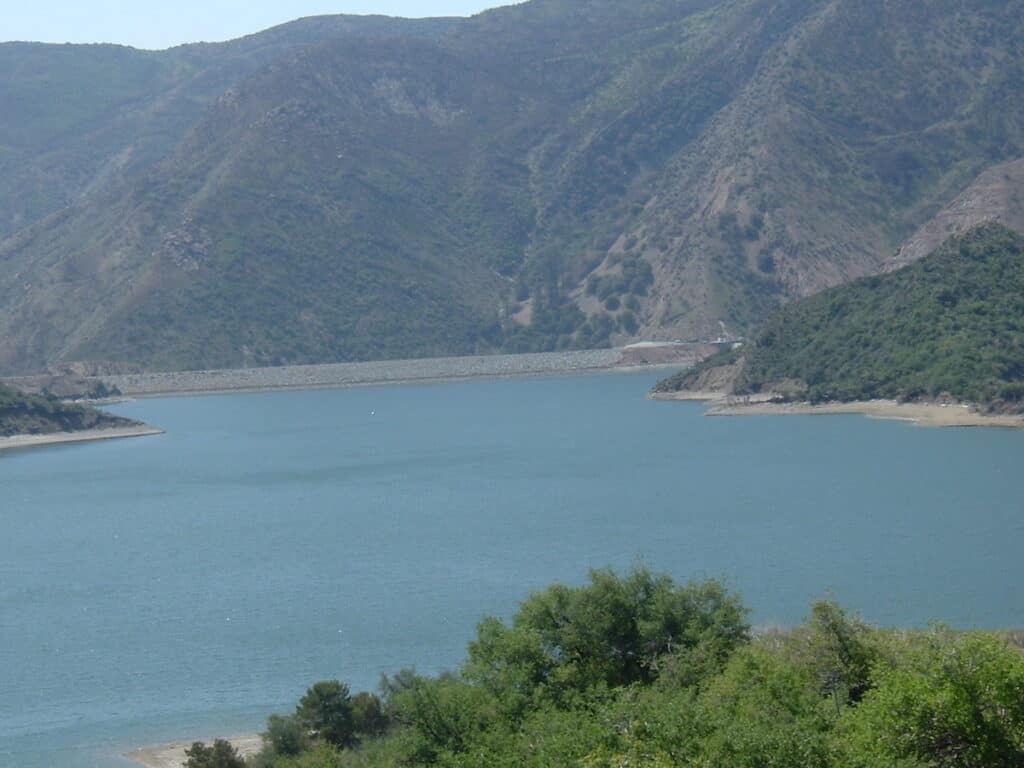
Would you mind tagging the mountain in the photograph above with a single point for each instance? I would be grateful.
(560, 173)
(22, 414)
(77, 117)
(949, 326)
(996, 195)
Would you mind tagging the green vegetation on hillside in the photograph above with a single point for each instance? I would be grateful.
(81, 117)
(550, 175)
(950, 325)
(22, 414)
(638, 671)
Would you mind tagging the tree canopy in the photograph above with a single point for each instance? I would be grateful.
(218, 755)
(636, 670)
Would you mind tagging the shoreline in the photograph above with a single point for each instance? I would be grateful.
(16, 442)
(919, 414)
(173, 755)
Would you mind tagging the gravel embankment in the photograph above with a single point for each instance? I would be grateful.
(355, 374)
(83, 436)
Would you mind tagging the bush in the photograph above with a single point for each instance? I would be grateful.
(220, 755)
(326, 713)
(957, 701)
(613, 632)
(286, 735)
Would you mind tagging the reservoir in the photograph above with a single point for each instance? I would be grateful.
(189, 584)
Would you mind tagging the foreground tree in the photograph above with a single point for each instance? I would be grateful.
(326, 714)
(840, 651)
(442, 714)
(614, 631)
(636, 670)
(762, 710)
(286, 735)
(955, 701)
(220, 755)
(368, 717)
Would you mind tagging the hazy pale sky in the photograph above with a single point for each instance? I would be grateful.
(163, 23)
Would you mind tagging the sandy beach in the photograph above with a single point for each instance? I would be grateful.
(85, 436)
(919, 414)
(173, 755)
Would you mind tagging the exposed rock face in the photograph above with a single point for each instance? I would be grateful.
(996, 195)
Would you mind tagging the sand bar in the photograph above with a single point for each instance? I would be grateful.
(173, 755)
(84, 436)
(920, 414)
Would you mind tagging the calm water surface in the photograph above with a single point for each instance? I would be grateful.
(189, 584)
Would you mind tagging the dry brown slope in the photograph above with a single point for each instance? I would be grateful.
(860, 122)
(996, 195)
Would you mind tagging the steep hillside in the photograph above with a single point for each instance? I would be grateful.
(553, 174)
(950, 325)
(79, 117)
(996, 195)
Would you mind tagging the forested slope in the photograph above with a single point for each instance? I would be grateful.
(948, 326)
(22, 414)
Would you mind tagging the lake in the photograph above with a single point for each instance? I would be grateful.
(187, 585)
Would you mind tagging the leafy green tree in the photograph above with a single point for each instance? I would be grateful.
(286, 735)
(955, 701)
(326, 713)
(841, 652)
(512, 663)
(653, 725)
(612, 632)
(368, 716)
(219, 755)
(762, 711)
(440, 715)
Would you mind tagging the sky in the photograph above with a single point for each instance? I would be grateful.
(163, 23)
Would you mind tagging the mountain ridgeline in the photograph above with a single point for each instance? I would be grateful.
(948, 326)
(555, 174)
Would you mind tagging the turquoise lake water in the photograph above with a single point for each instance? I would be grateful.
(189, 584)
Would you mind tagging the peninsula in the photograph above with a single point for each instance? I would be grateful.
(939, 342)
(28, 420)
